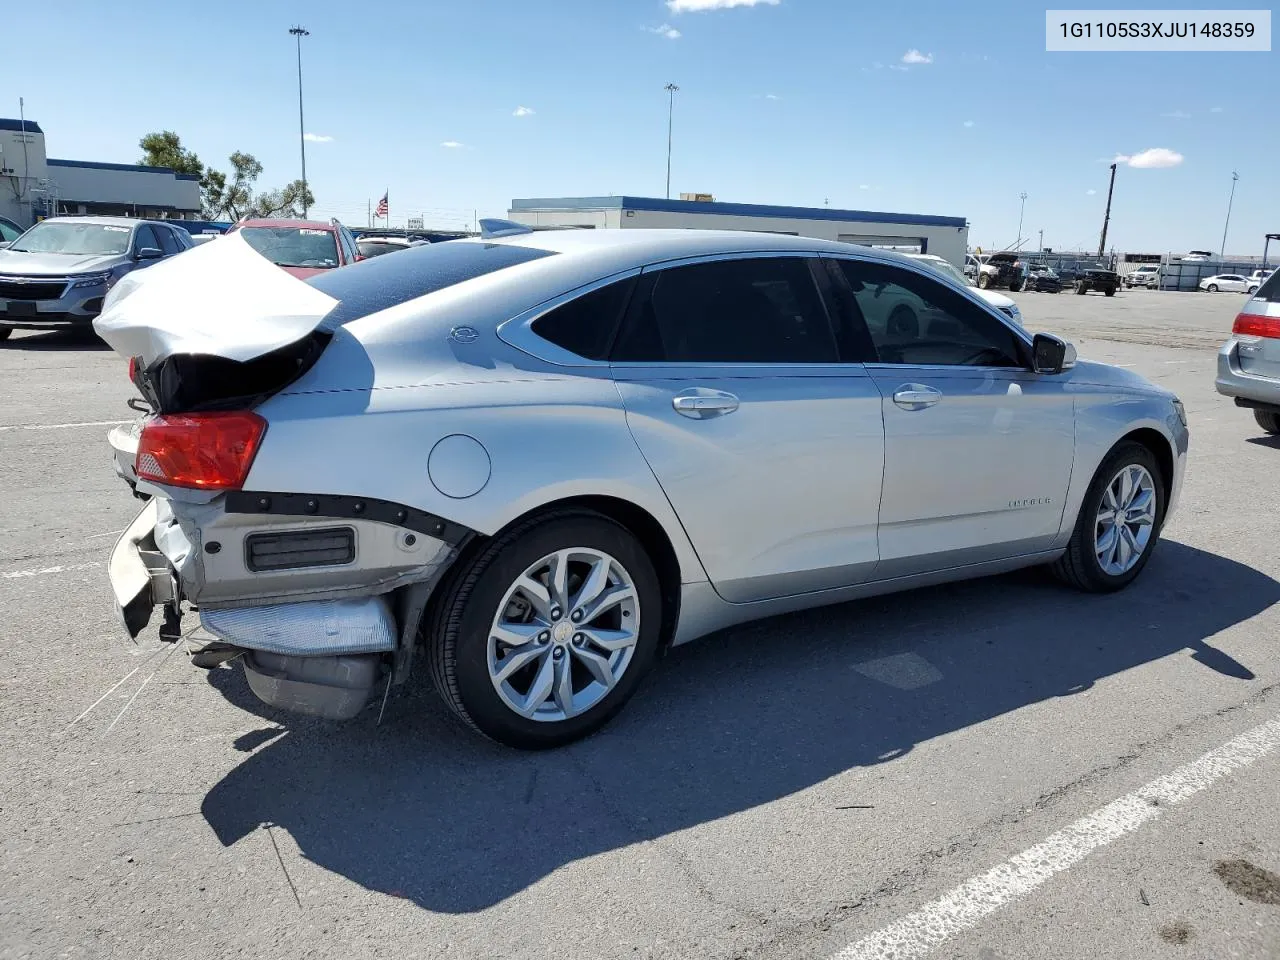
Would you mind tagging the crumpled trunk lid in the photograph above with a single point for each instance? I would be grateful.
(217, 327)
(220, 299)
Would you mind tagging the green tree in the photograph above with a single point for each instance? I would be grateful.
(221, 194)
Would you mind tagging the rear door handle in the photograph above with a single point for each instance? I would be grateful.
(704, 404)
(916, 396)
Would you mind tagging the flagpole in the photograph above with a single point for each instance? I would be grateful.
(387, 193)
(368, 212)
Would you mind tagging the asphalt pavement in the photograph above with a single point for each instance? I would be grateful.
(995, 769)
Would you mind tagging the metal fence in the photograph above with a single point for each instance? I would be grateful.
(1187, 274)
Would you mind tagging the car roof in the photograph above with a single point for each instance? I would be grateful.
(273, 222)
(106, 221)
(624, 249)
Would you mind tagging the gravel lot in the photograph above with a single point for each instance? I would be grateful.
(786, 789)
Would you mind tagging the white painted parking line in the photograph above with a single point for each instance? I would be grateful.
(109, 533)
(63, 426)
(46, 571)
(916, 934)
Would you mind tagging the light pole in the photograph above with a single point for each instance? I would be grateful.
(1021, 210)
(1222, 254)
(671, 89)
(299, 33)
(1042, 241)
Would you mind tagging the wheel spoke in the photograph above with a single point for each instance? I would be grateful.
(1126, 487)
(1142, 520)
(559, 580)
(595, 583)
(1107, 542)
(540, 689)
(537, 594)
(597, 665)
(563, 689)
(1131, 543)
(1121, 552)
(516, 634)
(1142, 502)
(516, 660)
(1106, 516)
(1109, 498)
(610, 640)
(607, 601)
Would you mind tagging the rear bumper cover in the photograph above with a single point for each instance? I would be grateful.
(1234, 382)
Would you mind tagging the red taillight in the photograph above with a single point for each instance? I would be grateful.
(1257, 325)
(133, 369)
(207, 451)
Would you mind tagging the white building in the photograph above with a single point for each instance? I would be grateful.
(946, 237)
(34, 185)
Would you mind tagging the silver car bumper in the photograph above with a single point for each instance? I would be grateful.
(1232, 381)
(76, 307)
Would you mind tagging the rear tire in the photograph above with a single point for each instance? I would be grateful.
(467, 658)
(1081, 566)
(1252, 291)
(1081, 289)
(1268, 420)
(1015, 286)
(1109, 292)
(1212, 288)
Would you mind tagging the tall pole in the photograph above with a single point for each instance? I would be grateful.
(1021, 211)
(1222, 254)
(1042, 241)
(671, 89)
(299, 33)
(1106, 217)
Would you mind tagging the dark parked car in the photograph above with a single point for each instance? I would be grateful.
(57, 273)
(1104, 281)
(1042, 279)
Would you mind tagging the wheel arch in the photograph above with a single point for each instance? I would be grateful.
(1161, 448)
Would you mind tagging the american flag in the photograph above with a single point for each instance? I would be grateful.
(382, 206)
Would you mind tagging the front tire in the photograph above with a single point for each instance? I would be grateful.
(1118, 524)
(1109, 292)
(1268, 420)
(541, 637)
(984, 281)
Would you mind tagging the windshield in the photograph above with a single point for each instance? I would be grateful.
(943, 266)
(294, 246)
(52, 236)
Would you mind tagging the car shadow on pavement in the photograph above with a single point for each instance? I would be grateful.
(55, 340)
(423, 809)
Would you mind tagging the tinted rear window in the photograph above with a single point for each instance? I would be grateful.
(382, 282)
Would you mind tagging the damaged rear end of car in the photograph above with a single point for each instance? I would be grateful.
(316, 585)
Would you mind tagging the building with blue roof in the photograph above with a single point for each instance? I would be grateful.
(946, 237)
(43, 186)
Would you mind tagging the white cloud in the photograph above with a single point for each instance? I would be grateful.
(1090, 193)
(665, 30)
(915, 56)
(968, 123)
(898, 66)
(697, 6)
(772, 96)
(316, 138)
(1150, 159)
(523, 112)
(864, 186)
(1177, 115)
(1215, 109)
(451, 144)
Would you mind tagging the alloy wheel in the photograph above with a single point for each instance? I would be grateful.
(564, 634)
(1126, 519)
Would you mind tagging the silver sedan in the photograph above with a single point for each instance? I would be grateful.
(526, 464)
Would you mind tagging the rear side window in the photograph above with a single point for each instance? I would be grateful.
(585, 325)
(752, 310)
(382, 282)
(145, 237)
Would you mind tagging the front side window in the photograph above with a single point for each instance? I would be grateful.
(752, 310)
(145, 237)
(75, 239)
(168, 241)
(914, 319)
(294, 246)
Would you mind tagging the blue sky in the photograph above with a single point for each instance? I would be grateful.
(790, 102)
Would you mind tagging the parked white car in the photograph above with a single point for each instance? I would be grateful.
(1147, 275)
(1230, 283)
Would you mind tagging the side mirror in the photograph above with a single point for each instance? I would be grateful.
(149, 253)
(1050, 354)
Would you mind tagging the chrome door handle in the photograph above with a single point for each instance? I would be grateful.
(915, 396)
(704, 404)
